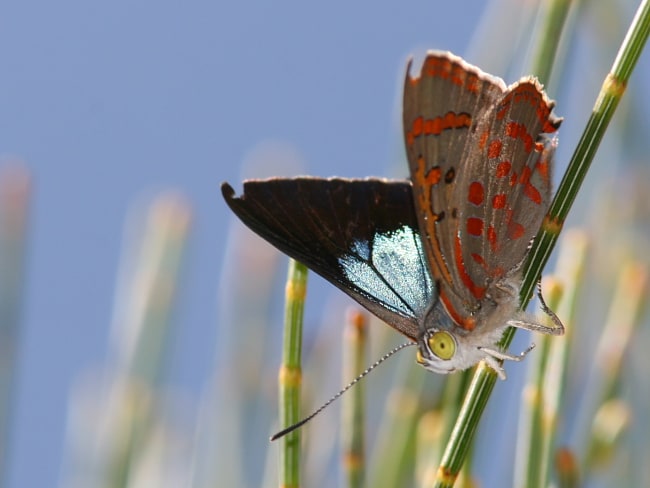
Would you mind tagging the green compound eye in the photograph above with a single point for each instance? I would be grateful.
(442, 344)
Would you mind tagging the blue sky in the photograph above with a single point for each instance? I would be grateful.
(105, 102)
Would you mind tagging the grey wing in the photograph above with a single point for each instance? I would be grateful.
(507, 190)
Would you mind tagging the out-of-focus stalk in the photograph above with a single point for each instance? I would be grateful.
(15, 195)
(353, 408)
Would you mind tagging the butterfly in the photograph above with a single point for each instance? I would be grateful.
(438, 257)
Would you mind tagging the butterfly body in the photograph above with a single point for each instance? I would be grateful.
(438, 257)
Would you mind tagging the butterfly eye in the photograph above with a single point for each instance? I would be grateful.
(442, 344)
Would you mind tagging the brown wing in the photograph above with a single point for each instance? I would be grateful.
(361, 235)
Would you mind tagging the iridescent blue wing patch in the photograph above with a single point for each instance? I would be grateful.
(361, 235)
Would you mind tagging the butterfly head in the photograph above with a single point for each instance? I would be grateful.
(445, 346)
(444, 352)
(437, 350)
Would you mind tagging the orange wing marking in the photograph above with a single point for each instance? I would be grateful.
(503, 169)
(467, 323)
(494, 149)
(477, 291)
(476, 193)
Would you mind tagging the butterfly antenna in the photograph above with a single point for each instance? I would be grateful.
(545, 308)
(293, 427)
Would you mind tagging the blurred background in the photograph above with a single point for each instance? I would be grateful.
(142, 324)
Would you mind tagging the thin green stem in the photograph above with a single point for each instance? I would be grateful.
(455, 389)
(604, 108)
(541, 400)
(569, 270)
(353, 410)
(393, 449)
(566, 467)
(556, 15)
(147, 306)
(15, 200)
(531, 435)
(291, 373)
(604, 382)
(485, 378)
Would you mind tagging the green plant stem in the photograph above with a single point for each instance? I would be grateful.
(604, 382)
(542, 396)
(604, 108)
(143, 330)
(393, 448)
(570, 271)
(557, 12)
(455, 389)
(15, 200)
(566, 467)
(290, 376)
(532, 435)
(353, 409)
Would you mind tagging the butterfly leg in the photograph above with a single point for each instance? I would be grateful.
(556, 329)
(559, 326)
(494, 356)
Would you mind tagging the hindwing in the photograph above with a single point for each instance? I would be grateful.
(480, 168)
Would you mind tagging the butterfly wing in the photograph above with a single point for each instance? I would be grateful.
(441, 109)
(361, 235)
(505, 189)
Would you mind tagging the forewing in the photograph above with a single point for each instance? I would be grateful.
(505, 190)
(361, 235)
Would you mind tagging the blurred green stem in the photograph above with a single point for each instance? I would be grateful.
(15, 194)
(554, 21)
(142, 328)
(542, 396)
(604, 381)
(566, 468)
(530, 460)
(353, 410)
